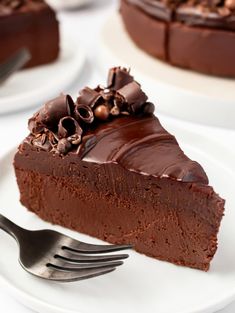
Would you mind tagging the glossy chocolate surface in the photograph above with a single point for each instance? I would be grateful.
(140, 145)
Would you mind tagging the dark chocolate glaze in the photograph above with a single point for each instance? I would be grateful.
(193, 15)
(137, 144)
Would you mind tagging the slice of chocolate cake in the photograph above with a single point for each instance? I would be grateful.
(31, 24)
(106, 167)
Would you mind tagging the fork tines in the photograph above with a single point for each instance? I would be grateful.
(74, 262)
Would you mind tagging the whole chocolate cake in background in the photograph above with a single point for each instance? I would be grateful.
(105, 166)
(31, 24)
(193, 34)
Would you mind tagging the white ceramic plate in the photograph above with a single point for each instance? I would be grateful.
(177, 92)
(142, 284)
(31, 87)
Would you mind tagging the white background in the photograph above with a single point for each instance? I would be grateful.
(83, 26)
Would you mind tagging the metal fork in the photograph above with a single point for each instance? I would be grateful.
(14, 63)
(51, 255)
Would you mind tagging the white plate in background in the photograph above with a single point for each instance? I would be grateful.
(142, 284)
(31, 87)
(176, 92)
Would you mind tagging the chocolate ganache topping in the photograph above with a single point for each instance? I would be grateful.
(108, 125)
(62, 124)
(210, 13)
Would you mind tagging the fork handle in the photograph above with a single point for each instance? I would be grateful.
(10, 227)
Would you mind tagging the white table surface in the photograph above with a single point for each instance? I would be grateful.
(84, 26)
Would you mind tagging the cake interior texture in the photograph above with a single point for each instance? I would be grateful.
(125, 181)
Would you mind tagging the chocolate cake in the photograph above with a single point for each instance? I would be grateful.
(106, 167)
(193, 34)
(31, 24)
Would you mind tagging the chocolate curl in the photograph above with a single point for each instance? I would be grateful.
(133, 96)
(118, 77)
(89, 97)
(84, 113)
(56, 109)
(42, 141)
(68, 126)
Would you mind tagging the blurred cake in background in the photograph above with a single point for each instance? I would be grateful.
(31, 24)
(194, 34)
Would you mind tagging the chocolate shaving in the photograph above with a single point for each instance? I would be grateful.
(52, 137)
(42, 142)
(43, 139)
(133, 96)
(119, 77)
(34, 126)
